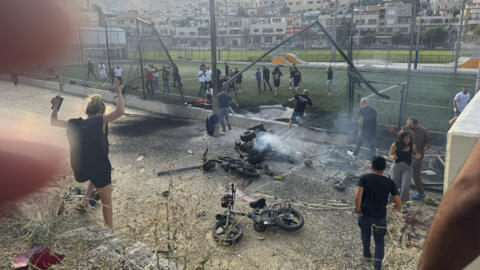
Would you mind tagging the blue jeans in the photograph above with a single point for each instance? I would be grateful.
(156, 86)
(202, 89)
(366, 225)
(371, 139)
(165, 87)
(223, 115)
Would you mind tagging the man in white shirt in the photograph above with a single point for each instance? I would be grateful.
(208, 78)
(202, 78)
(459, 103)
(103, 73)
(118, 74)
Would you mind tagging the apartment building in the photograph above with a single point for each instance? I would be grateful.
(394, 17)
(302, 6)
(267, 31)
(232, 31)
(472, 19)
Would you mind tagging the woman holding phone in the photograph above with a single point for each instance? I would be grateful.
(88, 140)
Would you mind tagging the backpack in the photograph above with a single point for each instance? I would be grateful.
(211, 121)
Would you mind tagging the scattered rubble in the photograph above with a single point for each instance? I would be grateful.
(104, 246)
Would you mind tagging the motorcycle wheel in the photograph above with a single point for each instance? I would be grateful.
(248, 136)
(287, 224)
(259, 227)
(227, 235)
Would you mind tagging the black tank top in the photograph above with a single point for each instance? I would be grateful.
(405, 156)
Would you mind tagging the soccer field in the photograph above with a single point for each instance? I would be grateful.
(429, 98)
(319, 55)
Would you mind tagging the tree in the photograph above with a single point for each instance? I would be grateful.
(476, 31)
(434, 36)
(369, 39)
(399, 39)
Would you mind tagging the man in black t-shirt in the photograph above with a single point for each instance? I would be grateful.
(266, 79)
(302, 102)
(371, 201)
(367, 128)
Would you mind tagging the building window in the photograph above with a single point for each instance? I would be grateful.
(391, 11)
(279, 30)
(192, 34)
(391, 21)
(234, 42)
(267, 39)
(372, 21)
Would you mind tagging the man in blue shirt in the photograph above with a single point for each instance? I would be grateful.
(224, 100)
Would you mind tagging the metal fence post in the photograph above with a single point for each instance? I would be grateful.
(141, 60)
(402, 101)
(409, 72)
(458, 46)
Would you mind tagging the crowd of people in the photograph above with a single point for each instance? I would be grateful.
(410, 146)
(152, 75)
(411, 143)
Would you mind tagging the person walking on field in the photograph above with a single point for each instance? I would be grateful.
(149, 83)
(165, 75)
(297, 78)
(292, 69)
(88, 140)
(329, 80)
(371, 200)
(258, 76)
(231, 84)
(459, 103)
(90, 70)
(276, 79)
(156, 77)
(102, 70)
(367, 129)
(423, 140)
(266, 79)
(202, 79)
(238, 80)
(118, 74)
(227, 69)
(299, 111)
(402, 152)
(224, 101)
(177, 81)
(208, 78)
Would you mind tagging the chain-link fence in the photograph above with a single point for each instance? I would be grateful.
(424, 89)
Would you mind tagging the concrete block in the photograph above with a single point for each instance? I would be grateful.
(461, 139)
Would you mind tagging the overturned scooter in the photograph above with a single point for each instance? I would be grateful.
(228, 231)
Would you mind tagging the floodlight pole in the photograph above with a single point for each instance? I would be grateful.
(334, 32)
(108, 47)
(459, 45)
(141, 60)
(409, 71)
(213, 45)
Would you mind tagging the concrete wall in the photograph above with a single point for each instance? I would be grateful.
(461, 139)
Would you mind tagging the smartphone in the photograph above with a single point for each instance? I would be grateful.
(59, 103)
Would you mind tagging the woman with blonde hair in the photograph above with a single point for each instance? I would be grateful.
(88, 140)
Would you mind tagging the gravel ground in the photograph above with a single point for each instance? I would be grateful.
(143, 144)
